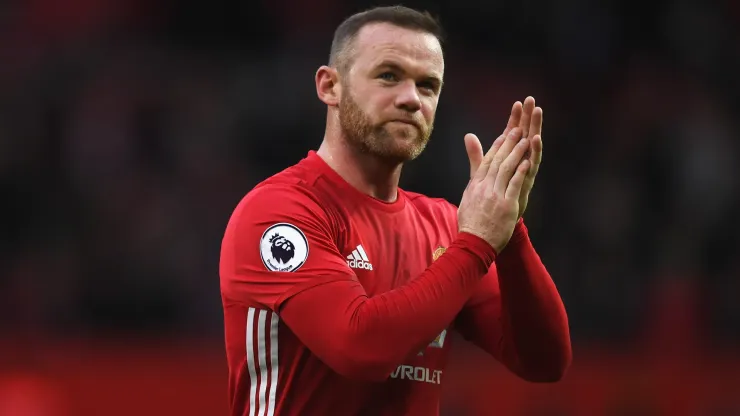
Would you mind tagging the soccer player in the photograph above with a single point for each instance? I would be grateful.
(339, 288)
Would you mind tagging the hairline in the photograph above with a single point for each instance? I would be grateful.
(343, 47)
(345, 57)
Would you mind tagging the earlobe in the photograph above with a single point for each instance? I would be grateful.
(327, 85)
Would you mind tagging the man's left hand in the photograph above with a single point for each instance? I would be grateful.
(528, 117)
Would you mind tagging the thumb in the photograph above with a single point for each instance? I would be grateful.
(475, 152)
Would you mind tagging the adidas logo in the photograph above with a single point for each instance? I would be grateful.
(358, 259)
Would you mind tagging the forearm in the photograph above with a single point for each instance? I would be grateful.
(533, 318)
(367, 338)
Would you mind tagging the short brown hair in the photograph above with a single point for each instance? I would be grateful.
(400, 16)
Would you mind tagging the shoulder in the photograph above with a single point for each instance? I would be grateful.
(293, 197)
(276, 215)
(293, 188)
(280, 198)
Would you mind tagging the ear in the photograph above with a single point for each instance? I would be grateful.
(328, 87)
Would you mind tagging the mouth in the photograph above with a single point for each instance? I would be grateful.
(408, 122)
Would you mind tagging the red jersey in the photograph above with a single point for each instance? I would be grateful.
(338, 303)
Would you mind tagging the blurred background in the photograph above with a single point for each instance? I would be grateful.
(129, 130)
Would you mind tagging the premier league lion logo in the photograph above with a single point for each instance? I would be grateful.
(281, 248)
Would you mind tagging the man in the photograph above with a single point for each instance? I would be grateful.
(339, 288)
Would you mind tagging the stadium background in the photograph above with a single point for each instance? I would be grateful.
(129, 129)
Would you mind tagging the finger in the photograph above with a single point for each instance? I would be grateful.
(506, 146)
(535, 125)
(536, 151)
(514, 187)
(485, 165)
(527, 110)
(535, 158)
(509, 167)
(514, 118)
(474, 151)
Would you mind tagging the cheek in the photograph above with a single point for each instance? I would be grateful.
(379, 108)
(369, 104)
(428, 109)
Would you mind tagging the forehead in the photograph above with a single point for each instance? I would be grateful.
(379, 42)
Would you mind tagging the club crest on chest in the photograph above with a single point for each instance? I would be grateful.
(438, 253)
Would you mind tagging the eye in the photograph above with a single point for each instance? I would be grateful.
(427, 85)
(388, 76)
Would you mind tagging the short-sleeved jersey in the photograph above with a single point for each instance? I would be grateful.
(286, 236)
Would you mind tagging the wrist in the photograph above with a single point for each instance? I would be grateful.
(520, 230)
(477, 246)
(518, 237)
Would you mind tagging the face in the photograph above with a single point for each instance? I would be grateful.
(390, 92)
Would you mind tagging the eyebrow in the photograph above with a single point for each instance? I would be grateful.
(396, 67)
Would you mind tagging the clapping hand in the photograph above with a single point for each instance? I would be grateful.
(528, 118)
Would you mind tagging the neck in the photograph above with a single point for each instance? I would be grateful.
(366, 172)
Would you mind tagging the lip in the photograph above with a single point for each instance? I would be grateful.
(409, 122)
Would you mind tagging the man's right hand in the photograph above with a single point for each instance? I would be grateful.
(490, 204)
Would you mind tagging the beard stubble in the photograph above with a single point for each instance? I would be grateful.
(376, 139)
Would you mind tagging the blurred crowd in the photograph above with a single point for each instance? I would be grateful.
(130, 129)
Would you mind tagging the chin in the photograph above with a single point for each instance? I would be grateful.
(395, 145)
(408, 147)
(406, 151)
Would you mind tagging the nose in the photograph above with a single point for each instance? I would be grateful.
(408, 97)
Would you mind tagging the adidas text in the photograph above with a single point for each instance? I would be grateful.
(359, 264)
